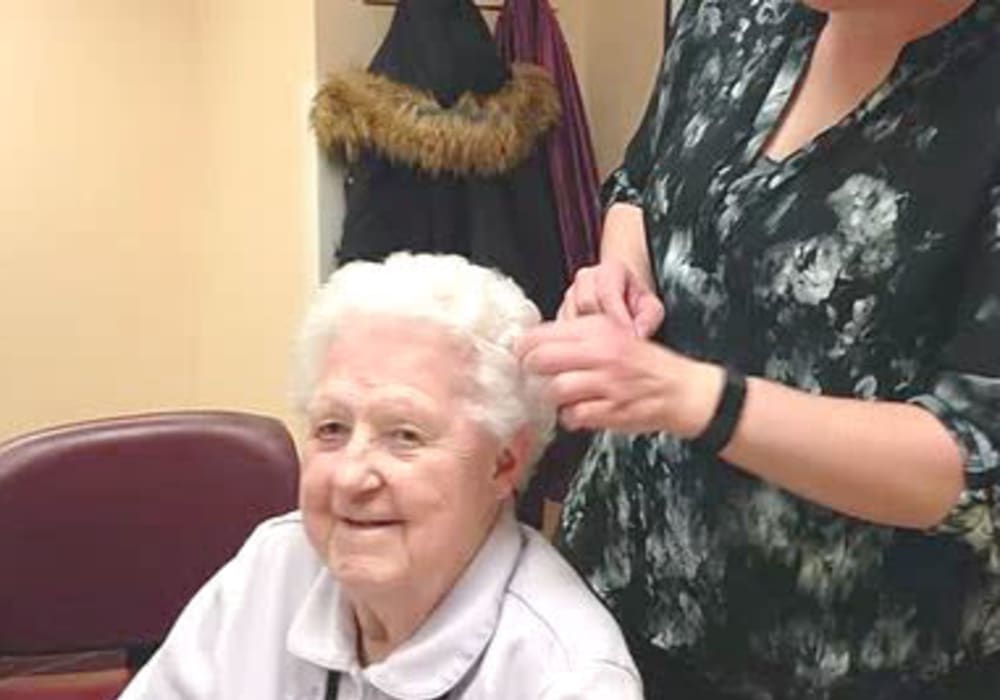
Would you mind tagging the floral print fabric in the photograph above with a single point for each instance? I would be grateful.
(865, 265)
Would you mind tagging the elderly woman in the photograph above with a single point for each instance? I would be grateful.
(404, 575)
(796, 493)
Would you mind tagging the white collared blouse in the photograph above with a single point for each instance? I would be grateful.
(273, 623)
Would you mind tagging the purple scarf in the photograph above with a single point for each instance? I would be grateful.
(527, 31)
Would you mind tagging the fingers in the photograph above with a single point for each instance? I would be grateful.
(544, 335)
(610, 290)
(576, 386)
(588, 415)
(556, 347)
(598, 290)
(647, 315)
(568, 309)
(553, 358)
(645, 309)
(585, 298)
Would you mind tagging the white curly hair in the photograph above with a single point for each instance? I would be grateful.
(474, 304)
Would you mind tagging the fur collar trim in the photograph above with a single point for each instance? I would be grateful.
(478, 135)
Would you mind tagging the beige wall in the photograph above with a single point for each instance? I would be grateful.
(620, 54)
(156, 208)
(97, 219)
(257, 251)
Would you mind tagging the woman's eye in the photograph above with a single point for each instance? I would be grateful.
(331, 431)
(406, 437)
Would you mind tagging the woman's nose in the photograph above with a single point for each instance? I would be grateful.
(355, 471)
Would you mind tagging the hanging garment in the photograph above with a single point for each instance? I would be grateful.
(528, 31)
(442, 146)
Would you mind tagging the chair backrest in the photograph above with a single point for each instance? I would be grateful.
(108, 527)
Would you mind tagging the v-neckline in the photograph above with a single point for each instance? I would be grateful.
(793, 70)
(783, 88)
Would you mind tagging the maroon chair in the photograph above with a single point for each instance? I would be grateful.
(108, 527)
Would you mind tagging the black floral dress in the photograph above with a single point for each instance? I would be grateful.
(865, 265)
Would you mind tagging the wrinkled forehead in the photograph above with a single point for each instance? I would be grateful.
(391, 335)
(398, 355)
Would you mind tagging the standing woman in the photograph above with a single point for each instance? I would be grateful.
(795, 494)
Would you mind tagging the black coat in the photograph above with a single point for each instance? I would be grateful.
(442, 145)
(505, 222)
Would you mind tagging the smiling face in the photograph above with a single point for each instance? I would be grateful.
(399, 485)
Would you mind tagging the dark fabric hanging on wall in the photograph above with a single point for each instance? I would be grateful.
(424, 41)
(528, 31)
(442, 141)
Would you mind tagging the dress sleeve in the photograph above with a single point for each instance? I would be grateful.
(628, 180)
(966, 394)
(626, 183)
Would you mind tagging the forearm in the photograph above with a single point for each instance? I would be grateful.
(624, 238)
(890, 463)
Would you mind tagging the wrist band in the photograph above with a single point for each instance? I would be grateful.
(720, 429)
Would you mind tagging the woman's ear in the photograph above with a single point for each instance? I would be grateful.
(511, 462)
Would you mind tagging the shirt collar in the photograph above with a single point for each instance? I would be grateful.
(442, 650)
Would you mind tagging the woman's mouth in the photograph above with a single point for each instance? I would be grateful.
(369, 523)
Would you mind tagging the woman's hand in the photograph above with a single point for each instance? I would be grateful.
(612, 289)
(603, 376)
